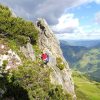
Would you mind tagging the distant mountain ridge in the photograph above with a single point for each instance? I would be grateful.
(84, 59)
(84, 43)
(72, 53)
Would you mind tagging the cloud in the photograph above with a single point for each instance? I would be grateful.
(97, 1)
(97, 17)
(78, 36)
(81, 33)
(51, 10)
(66, 23)
(54, 12)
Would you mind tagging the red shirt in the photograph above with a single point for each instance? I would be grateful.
(44, 56)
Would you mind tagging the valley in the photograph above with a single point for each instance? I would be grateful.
(84, 59)
(85, 63)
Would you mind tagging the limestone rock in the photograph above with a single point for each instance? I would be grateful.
(28, 51)
(12, 13)
(6, 54)
(49, 44)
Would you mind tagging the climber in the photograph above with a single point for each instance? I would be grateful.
(45, 58)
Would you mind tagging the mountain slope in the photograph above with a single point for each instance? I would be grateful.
(61, 72)
(72, 53)
(85, 89)
(83, 43)
(28, 78)
(84, 59)
(90, 63)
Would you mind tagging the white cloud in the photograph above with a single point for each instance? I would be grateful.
(78, 36)
(97, 1)
(51, 10)
(97, 17)
(66, 22)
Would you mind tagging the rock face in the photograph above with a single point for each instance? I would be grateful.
(49, 44)
(12, 12)
(27, 50)
(11, 58)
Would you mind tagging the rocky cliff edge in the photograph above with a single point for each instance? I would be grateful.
(49, 44)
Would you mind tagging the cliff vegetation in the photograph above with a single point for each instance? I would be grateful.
(29, 80)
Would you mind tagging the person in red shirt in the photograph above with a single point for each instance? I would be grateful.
(45, 58)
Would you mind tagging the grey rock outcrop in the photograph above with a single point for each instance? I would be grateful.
(49, 44)
(11, 58)
(12, 13)
(28, 51)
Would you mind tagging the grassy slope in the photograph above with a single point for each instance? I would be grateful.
(88, 90)
(89, 60)
(83, 59)
(72, 53)
(90, 63)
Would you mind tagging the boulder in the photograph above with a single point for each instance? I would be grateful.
(28, 51)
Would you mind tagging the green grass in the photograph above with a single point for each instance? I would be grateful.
(89, 89)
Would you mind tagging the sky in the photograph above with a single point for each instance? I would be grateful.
(69, 19)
